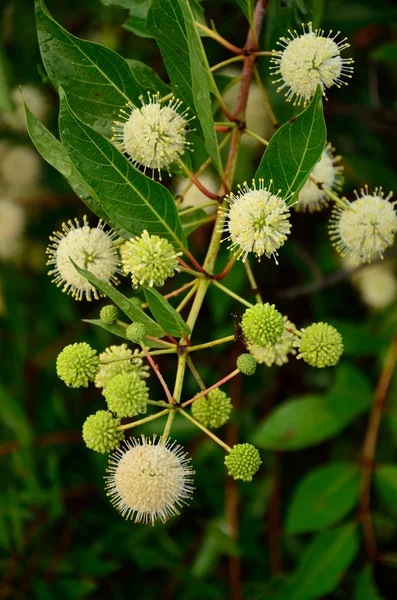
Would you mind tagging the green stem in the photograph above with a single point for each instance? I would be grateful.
(230, 293)
(159, 375)
(186, 299)
(224, 63)
(252, 281)
(229, 338)
(256, 136)
(145, 420)
(207, 431)
(108, 361)
(167, 428)
(212, 387)
(195, 373)
(190, 271)
(187, 211)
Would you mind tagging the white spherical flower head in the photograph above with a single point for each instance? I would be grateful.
(364, 228)
(377, 285)
(152, 136)
(35, 100)
(20, 169)
(13, 218)
(148, 480)
(312, 198)
(257, 221)
(308, 60)
(91, 248)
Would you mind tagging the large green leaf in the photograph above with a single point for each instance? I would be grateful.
(131, 199)
(99, 82)
(170, 320)
(129, 308)
(385, 480)
(147, 77)
(172, 24)
(294, 150)
(324, 562)
(350, 395)
(323, 497)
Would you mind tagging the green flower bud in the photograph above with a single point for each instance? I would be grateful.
(109, 314)
(126, 395)
(212, 410)
(136, 333)
(150, 259)
(77, 365)
(243, 461)
(100, 433)
(262, 325)
(321, 345)
(247, 364)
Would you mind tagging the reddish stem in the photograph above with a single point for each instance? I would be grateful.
(213, 387)
(159, 375)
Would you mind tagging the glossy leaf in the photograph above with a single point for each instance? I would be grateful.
(129, 308)
(294, 150)
(98, 81)
(323, 498)
(170, 320)
(148, 77)
(385, 481)
(131, 199)
(324, 562)
(136, 22)
(172, 24)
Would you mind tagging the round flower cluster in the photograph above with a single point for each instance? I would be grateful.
(320, 345)
(100, 432)
(92, 249)
(148, 480)
(109, 314)
(77, 365)
(136, 333)
(377, 285)
(116, 360)
(366, 227)
(247, 364)
(277, 354)
(257, 221)
(243, 461)
(262, 325)
(126, 395)
(212, 410)
(150, 260)
(308, 60)
(36, 102)
(152, 136)
(313, 198)
(20, 168)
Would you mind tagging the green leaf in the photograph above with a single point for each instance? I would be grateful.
(350, 395)
(170, 320)
(294, 150)
(247, 6)
(129, 308)
(385, 481)
(136, 22)
(324, 562)
(98, 81)
(119, 330)
(131, 199)
(191, 221)
(297, 423)
(172, 23)
(148, 77)
(366, 588)
(359, 339)
(323, 498)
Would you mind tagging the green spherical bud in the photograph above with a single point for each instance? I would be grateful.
(126, 395)
(243, 461)
(100, 433)
(150, 259)
(212, 410)
(321, 345)
(77, 365)
(262, 325)
(247, 364)
(136, 333)
(109, 314)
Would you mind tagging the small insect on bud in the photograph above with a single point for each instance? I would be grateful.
(77, 365)
(243, 461)
(100, 433)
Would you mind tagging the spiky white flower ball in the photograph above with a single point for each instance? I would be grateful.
(150, 259)
(308, 60)
(116, 360)
(257, 221)
(277, 354)
(91, 248)
(194, 197)
(152, 136)
(377, 285)
(329, 174)
(366, 227)
(149, 479)
(20, 168)
(36, 102)
(12, 217)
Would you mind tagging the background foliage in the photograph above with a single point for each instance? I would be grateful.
(298, 535)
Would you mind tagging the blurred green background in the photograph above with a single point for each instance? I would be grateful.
(59, 535)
